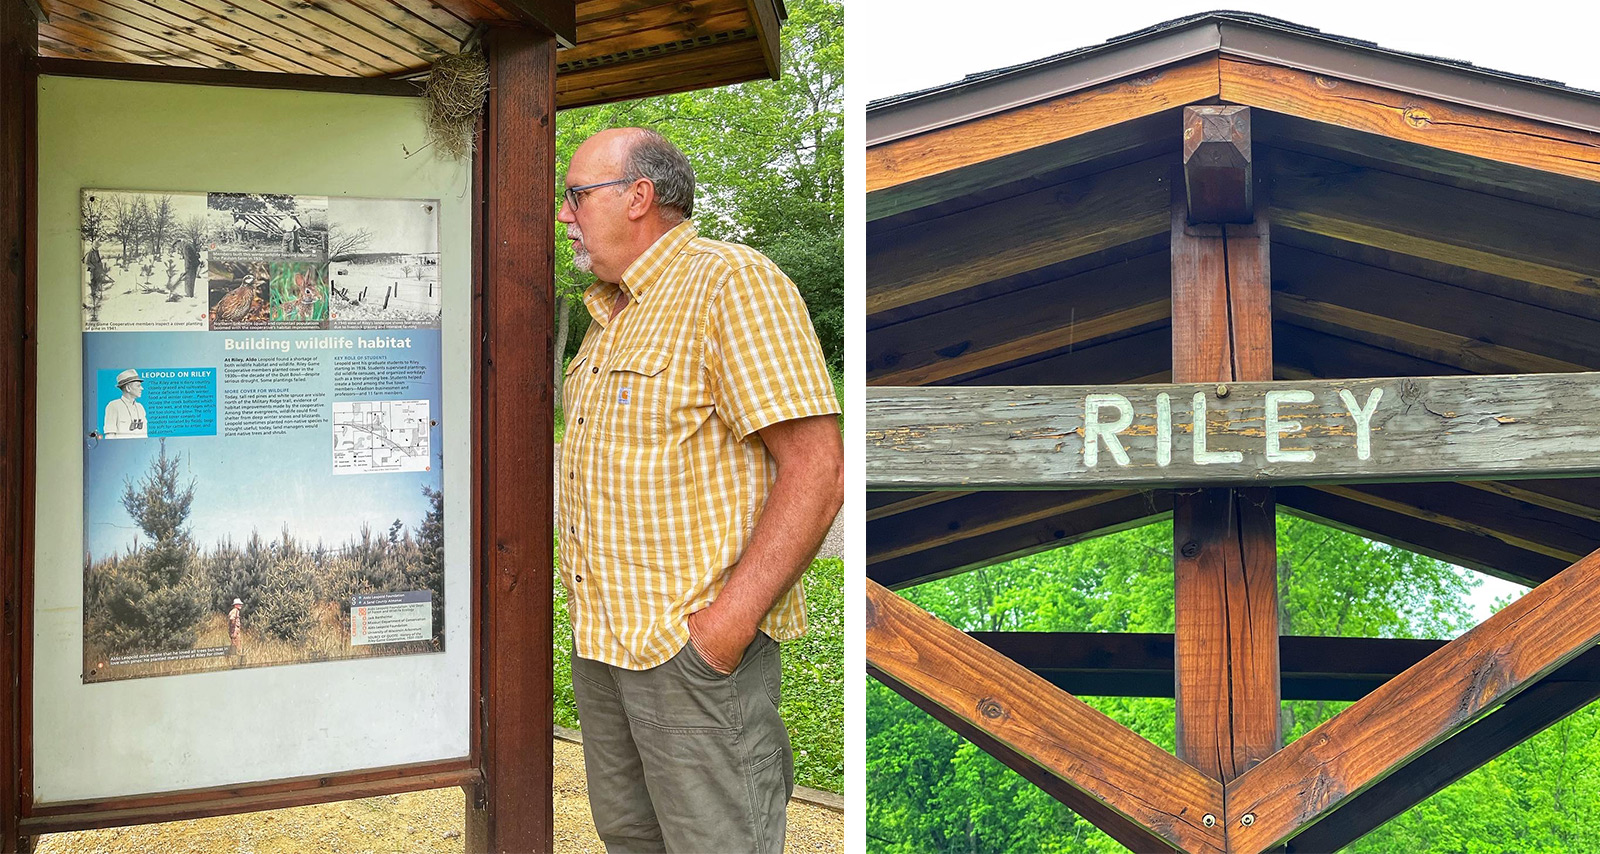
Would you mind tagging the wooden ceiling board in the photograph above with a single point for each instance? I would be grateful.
(474, 11)
(1491, 323)
(453, 27)
(147, 22)
(354, 25)
(674, 72)
(1415, 160)
(272, 22)
(974, 515)
(882, 505)
(699, 29)
(1303, 353)
(1143, 352)
(404, 27)
(656, 18)
(1434, 221)
(1033, 231)
(1579, 496)
(1022, 324)
(87, 42)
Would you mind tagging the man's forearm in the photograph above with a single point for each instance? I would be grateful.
(806, 496)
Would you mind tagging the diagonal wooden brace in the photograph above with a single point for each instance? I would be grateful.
(1410, 718)
(1138, 793)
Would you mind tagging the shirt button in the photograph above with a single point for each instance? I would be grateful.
(595, 369)
(578, 577)
(580, 419)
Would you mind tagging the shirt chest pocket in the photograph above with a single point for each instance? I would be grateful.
(634, 397)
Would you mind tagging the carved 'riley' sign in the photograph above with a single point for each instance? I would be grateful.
(1432, 428)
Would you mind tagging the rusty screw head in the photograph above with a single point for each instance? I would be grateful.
(1209, 821)
(1190, 549)
(1248, 819)
(1222, 390)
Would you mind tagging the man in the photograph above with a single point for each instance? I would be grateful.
(124, 418)
(235, 631)
(701, 468)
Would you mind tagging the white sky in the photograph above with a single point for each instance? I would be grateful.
(897, 46)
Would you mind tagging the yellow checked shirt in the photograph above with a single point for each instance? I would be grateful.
(662, 472)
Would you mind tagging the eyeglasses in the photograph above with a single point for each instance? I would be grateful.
(573, 193)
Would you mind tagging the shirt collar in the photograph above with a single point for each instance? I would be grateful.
(641, 274)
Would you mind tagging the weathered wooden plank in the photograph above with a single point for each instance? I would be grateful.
(1477, 331)
(1401, 722)
(1522, 717)
(1411, 117)
(1302, 353)
(1218, 174)
(881, 505)
(1303, 431)
(903, 161)
(1433, 221)
(1027, 323)
(1226, 612)
(1091, 214)
(1130, 510)
(1138, 664)
(974, 515)
(1477, 551)
(1160, 800)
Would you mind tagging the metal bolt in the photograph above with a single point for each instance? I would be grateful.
(1222, 390)
(1190, 549)
(1249, 819)
(1209, 821)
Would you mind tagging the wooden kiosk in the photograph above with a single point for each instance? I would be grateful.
(544, 55)
(1346, 259)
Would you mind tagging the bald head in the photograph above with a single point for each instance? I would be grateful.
(643, 153)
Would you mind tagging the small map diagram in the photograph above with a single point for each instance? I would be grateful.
(376, 436)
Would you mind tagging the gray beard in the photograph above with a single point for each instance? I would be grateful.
(580, 255)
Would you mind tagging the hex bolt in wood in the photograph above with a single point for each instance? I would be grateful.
(1222, 390)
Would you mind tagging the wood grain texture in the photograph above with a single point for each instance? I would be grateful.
(1059, 315)
(1303, 353)
(974, 515)
(18, 354)
(881, 505)
(1226, 611)
(222, 77)
(1424, 428)
(1481, 552)
(1400, 723)
(1021, 539)
(160, 24)
(1124, 359)
(1160, 799)
(1413, 118)
(1087, 215)
(1436, 222)
(1218, 174)
(1202, 348)
(518, 705)
(969, 143)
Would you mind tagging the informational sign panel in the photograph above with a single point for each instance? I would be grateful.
(261, 387)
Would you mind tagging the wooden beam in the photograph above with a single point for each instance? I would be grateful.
(517, 158)
(1458, 505)
(881, 505)
(1410, 117)
(1522, 717)
(1436, 222)
(974, 515)
(18, 349)
(1480, 332)
(1450, 544)
(1055, 317)
(1303, 353)
(228, 77)
(901, 173)
(1146, 799)
(1130, 510)
(1403, 721)
(1372, 430)
(1218, 174)
(1123, 359)
(556, 17)
(1029, 232)
(1130, 664)
(1578, 497)
(764, 14)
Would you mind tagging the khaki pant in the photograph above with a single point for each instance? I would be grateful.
(682, 759)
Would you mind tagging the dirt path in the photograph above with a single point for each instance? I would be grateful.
(422, 822)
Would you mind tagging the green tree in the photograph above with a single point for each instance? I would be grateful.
(929, 790)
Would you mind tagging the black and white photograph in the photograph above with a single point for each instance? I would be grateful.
(257, 224)
(383, 263)
(142, 255)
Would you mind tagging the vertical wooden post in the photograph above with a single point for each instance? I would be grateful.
(513, 810)
(19, 42)
(1225, 550)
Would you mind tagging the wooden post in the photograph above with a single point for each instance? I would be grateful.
(19, 104)
(512, 810)
(1225, 549)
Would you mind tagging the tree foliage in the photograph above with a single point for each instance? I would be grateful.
(769, 164)
(930, 790)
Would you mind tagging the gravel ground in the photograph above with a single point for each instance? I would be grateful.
(420, 822)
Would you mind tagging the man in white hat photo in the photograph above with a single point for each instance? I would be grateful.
(235, 632)
(125, 415)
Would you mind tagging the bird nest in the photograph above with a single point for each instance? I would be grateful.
(456, 90)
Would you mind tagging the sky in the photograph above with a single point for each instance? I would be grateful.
(937, 42)
(898, 46)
